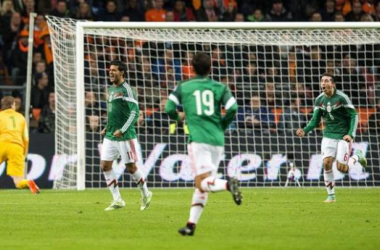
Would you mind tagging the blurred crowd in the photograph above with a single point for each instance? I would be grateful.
(275, 86)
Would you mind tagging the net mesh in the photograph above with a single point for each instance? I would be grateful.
(274, 75)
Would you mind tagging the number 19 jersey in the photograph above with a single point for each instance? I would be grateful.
(201, 99)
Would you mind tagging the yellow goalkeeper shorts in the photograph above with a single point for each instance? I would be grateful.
(14, 155)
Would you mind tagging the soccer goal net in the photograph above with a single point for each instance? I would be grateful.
(273, 70)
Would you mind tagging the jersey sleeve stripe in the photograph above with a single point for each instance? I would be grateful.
(129, 121)
(355, 125)
(174, 99)
(344, 96)
(128, 99)
(230, 102)
(349, 106)
(129, 91)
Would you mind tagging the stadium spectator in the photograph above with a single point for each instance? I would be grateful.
(167, 60)
(316, 17)
(92, 75)
(156, 14)
(292, 117)
(230, 12)
(208, 12)
(187, 68)
(141, 123)
(91, 102)
(18, 102)
(45, 47)
(125, 18)
(40, 91)
(343, 6)
(182, 13)
(111, 13)
(83, 12)
(169, 16)
(6, 12)
(61, 10)
(256, 16)
(368, 6)
(147, 87)
(339, 17)
(135, 11)
(310, 66)
(40, 67)
(29, 8)
(366, 18)
(47, 117)
(251, 81)
(328, 12)
(219, 67)
(353, 83)
(39, 26)
(374, 120)
(255, 116)
(376, 14)
(9, 35)
(159, 122)
(239, 17)
(278, 13)
(93, 121)
(271, 96)
(19, 57)
(5, 79)
(356, 14)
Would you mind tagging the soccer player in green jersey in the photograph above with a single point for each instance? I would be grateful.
(202, 99)
(341, 122)
(120, 136)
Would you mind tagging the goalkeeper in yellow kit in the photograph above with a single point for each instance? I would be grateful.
(14, 141)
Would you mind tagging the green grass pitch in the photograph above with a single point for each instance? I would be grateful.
(270, 218)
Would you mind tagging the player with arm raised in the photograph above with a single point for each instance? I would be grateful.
(120, 136)
(201, 99)
(14, 141)
(341, 121)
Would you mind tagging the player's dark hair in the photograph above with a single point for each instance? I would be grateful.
(329, 75)
(120, 65)
(202, 64)
(7, 102)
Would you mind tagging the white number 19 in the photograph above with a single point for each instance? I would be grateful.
(206, 98)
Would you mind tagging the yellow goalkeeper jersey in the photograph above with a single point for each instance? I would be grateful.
(13, 128)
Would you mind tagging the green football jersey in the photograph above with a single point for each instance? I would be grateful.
(122, 112)
(202, 99)
(339, 115)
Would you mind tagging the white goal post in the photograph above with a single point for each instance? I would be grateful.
(279, 63)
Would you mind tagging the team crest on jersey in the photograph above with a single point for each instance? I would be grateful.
(114, 96)
(329, 107)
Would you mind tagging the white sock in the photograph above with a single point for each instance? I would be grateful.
(351, 162)
(329, 181)
(197, 205)
(212, 184)
(141, 183)
(112, 183)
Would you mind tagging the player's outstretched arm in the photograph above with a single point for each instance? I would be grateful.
(314, 122)
(230, 115)
(171, 110)
(353, 122)
(300, 132)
